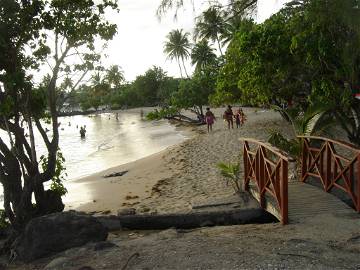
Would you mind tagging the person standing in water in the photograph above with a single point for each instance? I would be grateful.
(209, 119)
(82, 132)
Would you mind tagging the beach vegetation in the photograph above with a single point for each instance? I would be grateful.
(315, 121)
(163, 113)
(33, 34)
(231, 172)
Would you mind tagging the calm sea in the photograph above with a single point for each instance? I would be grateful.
(109, 141)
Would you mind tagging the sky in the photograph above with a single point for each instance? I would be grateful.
(139, 42)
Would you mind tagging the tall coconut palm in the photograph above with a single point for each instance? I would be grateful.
(211, 25)
(202, 55)
(177, 47)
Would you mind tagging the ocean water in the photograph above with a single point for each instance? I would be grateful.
(109, 141)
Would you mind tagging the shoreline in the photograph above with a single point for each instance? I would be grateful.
(86, 192)
(95, 193)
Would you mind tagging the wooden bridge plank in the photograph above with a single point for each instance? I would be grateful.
(306, 201)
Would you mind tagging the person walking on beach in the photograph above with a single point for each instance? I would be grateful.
(242, 117)
(228, 116)
(209, 119)
(238, 118)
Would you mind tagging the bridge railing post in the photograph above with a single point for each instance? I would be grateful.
(358, 184)
(304, 157)
(284, 192)
(328, 177)
(246, 166)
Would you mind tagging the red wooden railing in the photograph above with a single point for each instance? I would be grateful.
(267, 167)
(335, 169)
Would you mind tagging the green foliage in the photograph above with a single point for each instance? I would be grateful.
(313, 122)
(302, 54)
(290, 146)
(59, 175)
(195, 92)
(232, 173)
(162, 113)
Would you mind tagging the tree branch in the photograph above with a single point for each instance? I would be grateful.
(43, 133)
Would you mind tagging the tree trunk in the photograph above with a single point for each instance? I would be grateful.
(218, 42)
(178, 60)
(201, 110)
(182, 59)
(186, 221)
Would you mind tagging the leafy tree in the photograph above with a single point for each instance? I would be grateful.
(177, 47)
(73, 25)
(194, 93)
(235, 24)
(202, 55)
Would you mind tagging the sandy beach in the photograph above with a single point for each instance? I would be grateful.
(173, 179)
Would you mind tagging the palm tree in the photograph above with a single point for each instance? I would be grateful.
(114, 76)
(202, 55)
(177, 46)
(211, 25)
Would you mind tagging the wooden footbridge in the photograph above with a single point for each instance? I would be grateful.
(328, 168)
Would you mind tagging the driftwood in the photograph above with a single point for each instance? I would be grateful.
(115, 174)
(183, 118)
(186, 221)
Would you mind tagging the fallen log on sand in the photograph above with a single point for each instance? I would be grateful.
(186, 221)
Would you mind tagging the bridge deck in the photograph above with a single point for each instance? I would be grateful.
(307, 201)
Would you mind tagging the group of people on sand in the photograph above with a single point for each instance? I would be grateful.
(229, 116)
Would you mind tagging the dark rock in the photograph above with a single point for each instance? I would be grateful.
(58, 263)
(57, 232)
(103, 245)
(86, 268)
